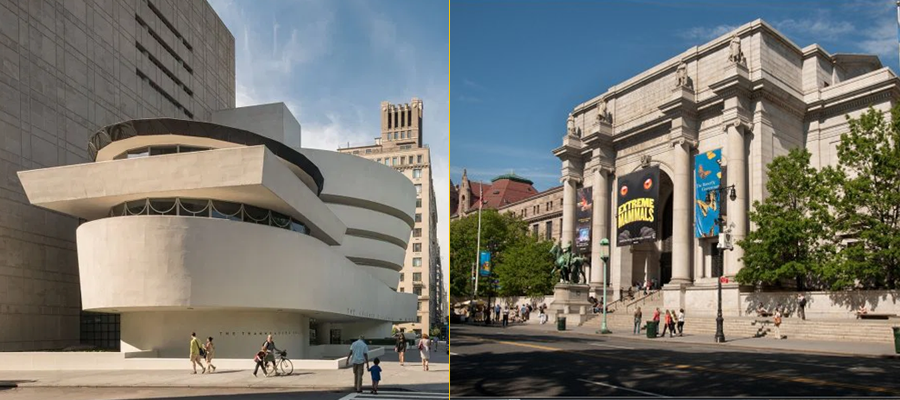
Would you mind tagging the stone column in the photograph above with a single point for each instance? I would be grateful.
(737, 208)
(681, 212)
(568, 227)
(600, 225)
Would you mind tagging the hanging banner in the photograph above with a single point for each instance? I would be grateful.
(638, 196)
(485, 263)
(708, 176)
(584, 211)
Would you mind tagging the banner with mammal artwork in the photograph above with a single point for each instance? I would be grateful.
(638, 196)
(708, 175)
(584, 211)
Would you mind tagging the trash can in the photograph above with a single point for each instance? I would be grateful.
(560, 323)
(897, 339)
(652, 328)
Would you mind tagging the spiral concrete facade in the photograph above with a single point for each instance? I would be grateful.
(232, 239)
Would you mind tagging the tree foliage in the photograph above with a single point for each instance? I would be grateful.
(867, 202)
(526, 268)
(838, 227)
(498, 232)
(792, 237)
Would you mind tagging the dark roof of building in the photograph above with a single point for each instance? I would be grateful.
(513, 177)
(168, 126)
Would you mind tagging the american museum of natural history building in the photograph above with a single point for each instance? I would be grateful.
(711, 117)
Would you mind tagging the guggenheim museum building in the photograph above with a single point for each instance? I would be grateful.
(230, 229)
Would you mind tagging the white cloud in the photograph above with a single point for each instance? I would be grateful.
(820, 26)
(706, 33)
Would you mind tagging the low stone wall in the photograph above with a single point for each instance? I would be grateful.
(702, 301)
(832, 305)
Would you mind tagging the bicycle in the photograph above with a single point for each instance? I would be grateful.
(284, 364)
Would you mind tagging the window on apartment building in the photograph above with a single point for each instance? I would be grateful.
(560, 229)
(394, 161)
(534, 230)
(402, 290)
(419, 317)
(419, 159)
(368, 151)
(395, 136)
(417, 173)
(548, 206)
(560, 202)
(549, 234)
(418, 188)
(401, 277)
(410, 159)
(401, 161)
(418, 203)
(417, 261)
(417, 232)
(418, 217)
(378, 161)
(419, 307)
(417, 247)
(417, 277)
(355, 151)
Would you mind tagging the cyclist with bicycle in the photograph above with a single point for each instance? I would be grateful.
(269, 345)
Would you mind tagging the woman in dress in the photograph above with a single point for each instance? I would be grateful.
(210, 351)
(400, 347)
(423, 351)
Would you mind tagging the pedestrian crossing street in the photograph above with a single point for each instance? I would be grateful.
(395, 395)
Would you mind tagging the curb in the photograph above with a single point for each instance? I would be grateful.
(8, 385)
(825, 352)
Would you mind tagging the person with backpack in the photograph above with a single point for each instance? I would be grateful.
(423, 351)
(260, 361)
(801, 301)
(197, 353)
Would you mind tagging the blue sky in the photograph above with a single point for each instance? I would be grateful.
(519, 67)
(333, 62)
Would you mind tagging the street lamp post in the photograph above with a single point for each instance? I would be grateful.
(720, 321)
(604, 255)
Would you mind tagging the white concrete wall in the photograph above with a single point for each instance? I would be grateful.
(182, 262)
(826, 304)
(236, 334)
(273, 121)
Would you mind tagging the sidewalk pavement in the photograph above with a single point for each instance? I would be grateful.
(856, 349)
(409, 377)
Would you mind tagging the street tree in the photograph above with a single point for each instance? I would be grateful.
(792, 238)
(526, 268)
(498, 232)
(867, 203)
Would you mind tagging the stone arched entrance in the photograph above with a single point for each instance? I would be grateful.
(653, 260)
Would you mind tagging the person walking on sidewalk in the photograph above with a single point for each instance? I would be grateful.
(778, 322)
(400, 348)
(210, 352)
(497, 312)
(637, 321)
(423, 351)
(801, 301)
(666, 321)
(269, 344)
(376, 375)
(196, 349)
(681, 322)
(359, 356)
(505, 315)
(260, 360)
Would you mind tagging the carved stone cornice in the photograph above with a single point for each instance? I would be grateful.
(735, 80)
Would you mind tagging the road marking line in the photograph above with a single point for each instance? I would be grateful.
(705, 369)
(609, 345)
(622, 388)
(454, 354)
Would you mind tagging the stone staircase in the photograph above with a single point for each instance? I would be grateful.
(646, 302)
(794, 328)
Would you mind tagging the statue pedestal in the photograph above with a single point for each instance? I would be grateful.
(570, 301)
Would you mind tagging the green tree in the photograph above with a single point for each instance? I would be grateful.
(792, 238)
(525, 268)
(498, 232)
(867, 203)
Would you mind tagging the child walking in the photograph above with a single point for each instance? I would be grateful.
(376, 375)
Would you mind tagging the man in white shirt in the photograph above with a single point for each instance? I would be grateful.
(359, 355)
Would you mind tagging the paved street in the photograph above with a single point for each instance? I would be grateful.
(490, 361)
(203, 394)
